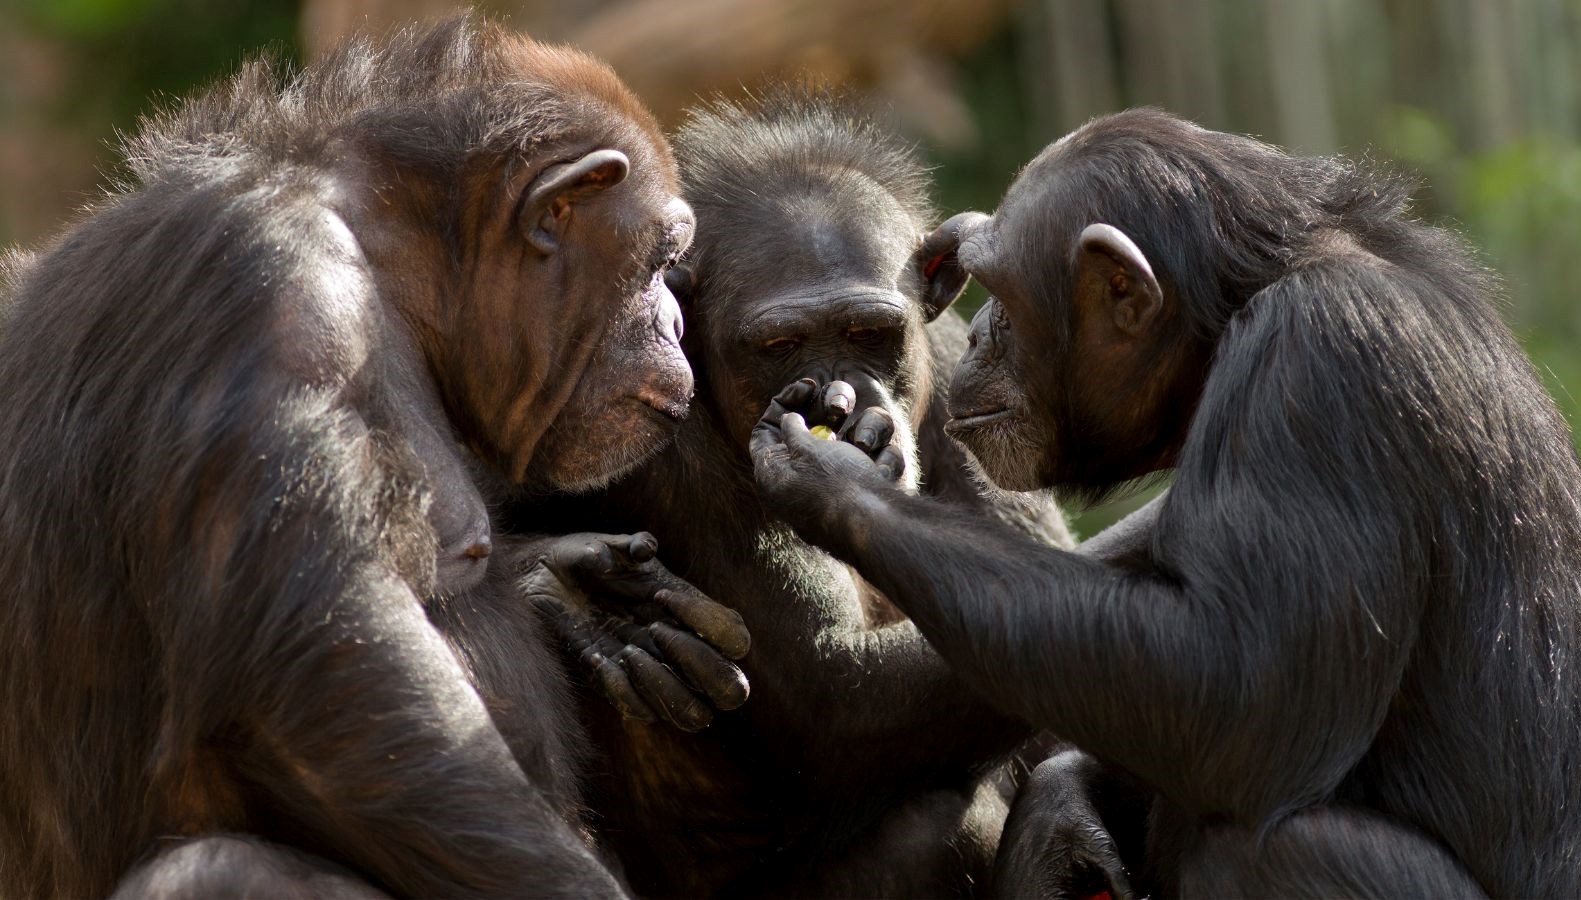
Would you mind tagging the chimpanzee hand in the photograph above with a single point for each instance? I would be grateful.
(810, 456)
(1056, 843)
(617, 607)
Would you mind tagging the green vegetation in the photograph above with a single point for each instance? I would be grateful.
(1486, 117)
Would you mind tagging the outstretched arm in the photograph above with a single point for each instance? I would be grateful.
(1196, 674)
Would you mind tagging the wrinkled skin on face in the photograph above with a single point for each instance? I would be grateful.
(637, 384)
(587, 377)
(990, 411)
(1073, 381)
(818, 290)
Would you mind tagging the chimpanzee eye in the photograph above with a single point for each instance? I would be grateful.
(862, 334)
(781, 344)
(1000, 321)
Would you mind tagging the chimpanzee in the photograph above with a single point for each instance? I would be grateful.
(1344, 657)
(254, 403)
(855, 767)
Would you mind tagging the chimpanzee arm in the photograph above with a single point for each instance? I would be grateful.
(1248, 670)
(1128, 540)
(311, 652)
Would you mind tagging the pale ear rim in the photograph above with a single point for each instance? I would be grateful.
(1111, 241)
(560, 185)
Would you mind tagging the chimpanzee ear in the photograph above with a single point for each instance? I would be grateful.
(546, 209)
(681, 280)
(938, 267)
(1111, 262)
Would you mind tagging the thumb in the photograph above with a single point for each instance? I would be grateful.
(793, 431)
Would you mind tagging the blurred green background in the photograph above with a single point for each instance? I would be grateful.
(1480, 98)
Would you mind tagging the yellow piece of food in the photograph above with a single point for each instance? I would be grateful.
(822, 431)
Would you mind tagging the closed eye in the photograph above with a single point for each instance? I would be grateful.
(868, 335)
(781, 344)
(1000, 319)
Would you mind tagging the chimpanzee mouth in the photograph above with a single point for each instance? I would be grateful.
(980, 419)
(668, 407)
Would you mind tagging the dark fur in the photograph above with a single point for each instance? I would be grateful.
(1355, 623)
(855, 767)
(216, 519)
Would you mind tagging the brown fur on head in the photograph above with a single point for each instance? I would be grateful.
(514, 204)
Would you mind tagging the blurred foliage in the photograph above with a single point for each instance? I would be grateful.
(1521, 204)
(129, 51)
(1478, 98)
(81, 71)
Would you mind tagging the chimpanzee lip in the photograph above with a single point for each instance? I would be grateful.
(979, 418)
(668, 407)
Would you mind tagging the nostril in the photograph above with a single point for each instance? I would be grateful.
(971, 341)
(669, 321)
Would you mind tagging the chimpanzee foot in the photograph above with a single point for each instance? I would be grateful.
(1055, 842)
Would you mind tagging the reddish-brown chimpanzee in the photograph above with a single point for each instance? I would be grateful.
(254, 402)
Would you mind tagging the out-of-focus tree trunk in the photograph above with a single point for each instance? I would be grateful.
(45, 165)
(1170, 56)
(1300, 75)
(1068, 62)
(674, 51)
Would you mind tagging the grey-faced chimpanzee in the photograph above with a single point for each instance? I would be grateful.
(1345, 658)
(854, 768)
(253, 404)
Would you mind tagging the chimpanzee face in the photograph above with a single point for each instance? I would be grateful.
(824, 284)
(1005, 394)
(991, 411)
(570, 335)
(636, 384)
(1073, 378)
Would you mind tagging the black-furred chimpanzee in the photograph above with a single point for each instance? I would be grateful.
(853, 769)
(1345, 657)
(254, 402)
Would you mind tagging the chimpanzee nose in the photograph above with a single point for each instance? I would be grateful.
(667, 320)
(979, 341)
(681, 217)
